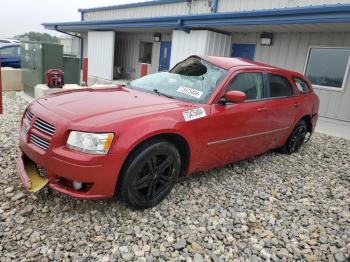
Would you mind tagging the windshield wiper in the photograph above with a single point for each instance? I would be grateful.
(128, 84)
(162, 94)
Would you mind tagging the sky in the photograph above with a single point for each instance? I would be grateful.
(21, 16)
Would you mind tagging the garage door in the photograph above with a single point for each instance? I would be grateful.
(101, 54)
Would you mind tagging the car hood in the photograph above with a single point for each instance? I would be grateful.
(88, 105)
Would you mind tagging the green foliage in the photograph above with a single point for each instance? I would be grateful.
(39, 37)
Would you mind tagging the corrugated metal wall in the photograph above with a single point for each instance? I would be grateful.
(244, 5)
(198, 42)
(85, 44)
(186, 44)
(101, 54)
(201, 6)
(290, 51)
(127, 53)
(218, 44)
(71, 45)
(182, 8)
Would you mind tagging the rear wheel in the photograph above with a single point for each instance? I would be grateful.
(150, 174)
(296, 139)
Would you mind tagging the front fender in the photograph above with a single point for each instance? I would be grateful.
(135, 132)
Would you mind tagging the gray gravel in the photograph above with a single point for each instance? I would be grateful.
(271, 207)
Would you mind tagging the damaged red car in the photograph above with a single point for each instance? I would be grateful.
(134, 141)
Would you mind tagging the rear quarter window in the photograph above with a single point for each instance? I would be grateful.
(279, 86)
(303, 86)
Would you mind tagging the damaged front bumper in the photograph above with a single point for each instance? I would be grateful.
(29, 174)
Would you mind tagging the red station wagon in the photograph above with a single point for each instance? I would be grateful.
(137, 139)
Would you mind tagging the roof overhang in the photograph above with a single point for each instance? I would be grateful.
(313, 15)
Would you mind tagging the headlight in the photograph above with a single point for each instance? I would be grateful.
(92, 143)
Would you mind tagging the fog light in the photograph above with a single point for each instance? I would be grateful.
(77, 185)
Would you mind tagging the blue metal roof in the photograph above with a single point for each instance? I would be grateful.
(301, 15)
(123, 6)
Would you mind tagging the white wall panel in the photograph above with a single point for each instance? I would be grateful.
(218, 44)
(290, 51)
(101, 54)
(171, 9)
(186, 44)
(85, 44)
(198, 42)
(201, 7)
(249, 5)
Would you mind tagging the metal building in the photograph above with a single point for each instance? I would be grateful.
(71, 45)
(308, 36)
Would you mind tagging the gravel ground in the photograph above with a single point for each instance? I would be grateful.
(271, 207)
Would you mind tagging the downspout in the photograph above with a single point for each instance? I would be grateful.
(81, 43)
(214, 6)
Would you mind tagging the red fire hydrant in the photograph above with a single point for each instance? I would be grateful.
(54, 78)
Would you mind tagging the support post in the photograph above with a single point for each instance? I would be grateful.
(85, 70)
(143, 69)
(0, 90)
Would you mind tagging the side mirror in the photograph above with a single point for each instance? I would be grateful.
(235, 97)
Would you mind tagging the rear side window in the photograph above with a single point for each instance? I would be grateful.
(9, 51)
(279, 86)
(302, 86)
(252, 84)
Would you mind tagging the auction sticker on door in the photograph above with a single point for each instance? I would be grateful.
(194, 114)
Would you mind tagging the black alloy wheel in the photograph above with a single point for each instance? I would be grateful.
(150, 174)
(296, 139)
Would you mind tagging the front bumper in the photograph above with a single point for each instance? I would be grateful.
(29, 174)
(99, 176)
(98, 173)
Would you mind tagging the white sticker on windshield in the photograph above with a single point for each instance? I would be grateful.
(190, 91)
(194, 114)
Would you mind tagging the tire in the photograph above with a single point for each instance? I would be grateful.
(296, 138)
(149, 174)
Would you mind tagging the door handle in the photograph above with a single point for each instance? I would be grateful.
(262, 109)
(296, 104)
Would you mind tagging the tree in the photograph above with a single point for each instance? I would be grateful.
(39, 37)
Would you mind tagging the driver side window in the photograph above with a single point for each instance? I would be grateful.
(252, 84)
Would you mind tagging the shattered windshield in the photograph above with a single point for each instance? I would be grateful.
(192, 80)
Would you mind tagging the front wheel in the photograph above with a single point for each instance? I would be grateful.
(150, 174)
(296, 139)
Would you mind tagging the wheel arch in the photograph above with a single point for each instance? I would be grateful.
(177, 140)
(307, 119)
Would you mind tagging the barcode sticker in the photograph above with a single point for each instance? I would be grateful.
(194, 114)
(190, 91)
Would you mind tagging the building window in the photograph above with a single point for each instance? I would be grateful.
(327, 67)
(145, 55)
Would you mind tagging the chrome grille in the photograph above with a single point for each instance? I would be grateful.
(44, 127)
(25, 130)
(29, 115)
(38, 141)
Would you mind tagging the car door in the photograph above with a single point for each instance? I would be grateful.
(10, 57)
(282, 105)
(240, 130)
